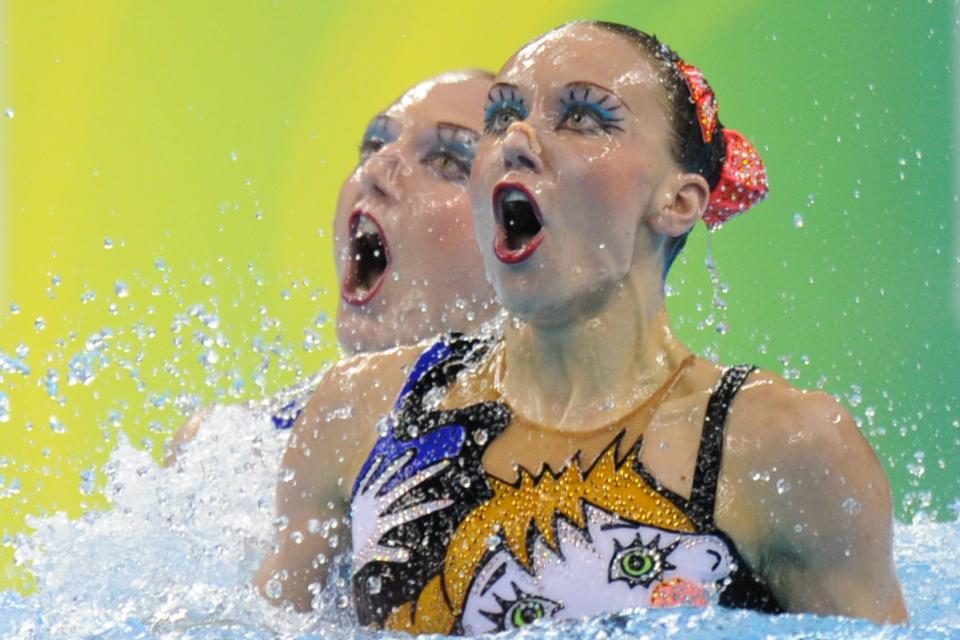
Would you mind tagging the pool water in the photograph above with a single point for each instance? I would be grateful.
(174, 557)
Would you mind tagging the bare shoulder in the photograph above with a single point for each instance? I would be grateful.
(338, 425)
(330, 438)
(806, 495)
(799, 432)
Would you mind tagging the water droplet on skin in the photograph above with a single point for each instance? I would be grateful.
(273, 588)
(286, 475)
(783, 486)
(297, 537)
(313, 525)
(851, 506)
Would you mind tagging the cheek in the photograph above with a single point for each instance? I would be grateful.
(433, 230)
(616, 183)
(349, 196)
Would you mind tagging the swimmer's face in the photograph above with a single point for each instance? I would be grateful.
(407, 259)
(575, 160)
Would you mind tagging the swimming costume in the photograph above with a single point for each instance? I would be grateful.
(442, 546)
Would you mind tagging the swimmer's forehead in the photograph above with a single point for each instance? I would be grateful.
(453, 98)
(583, 53)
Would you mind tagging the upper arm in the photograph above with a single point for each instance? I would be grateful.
(826, 545)
(325, 450)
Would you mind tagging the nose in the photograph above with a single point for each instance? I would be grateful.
(379, 176)
(521, 149)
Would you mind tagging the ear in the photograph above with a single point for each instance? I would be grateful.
(685, 199)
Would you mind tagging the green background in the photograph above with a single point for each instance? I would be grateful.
(168, 177)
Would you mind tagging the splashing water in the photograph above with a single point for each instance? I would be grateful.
(175, 556)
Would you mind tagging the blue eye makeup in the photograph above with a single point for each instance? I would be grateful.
(379, 133)
(586, 108)
(504, 105)
(451, 154)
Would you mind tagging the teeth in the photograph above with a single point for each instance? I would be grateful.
(515, 196)
(366, 226)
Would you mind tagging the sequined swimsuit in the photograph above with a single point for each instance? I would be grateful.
(442, 546)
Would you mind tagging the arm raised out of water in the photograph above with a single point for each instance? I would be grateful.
(325, 452)
(803, 492)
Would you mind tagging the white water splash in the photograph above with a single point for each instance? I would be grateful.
(175, 556)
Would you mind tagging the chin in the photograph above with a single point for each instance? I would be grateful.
(549, 306)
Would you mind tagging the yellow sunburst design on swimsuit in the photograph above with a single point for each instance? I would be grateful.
(534, 504)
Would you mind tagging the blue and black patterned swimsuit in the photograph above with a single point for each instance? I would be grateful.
(441, 546)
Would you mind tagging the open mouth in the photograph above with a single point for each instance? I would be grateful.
(519, 225)
(368, 260)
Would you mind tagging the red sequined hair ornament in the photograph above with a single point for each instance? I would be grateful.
(743, 181)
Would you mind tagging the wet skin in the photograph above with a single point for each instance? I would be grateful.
(615, 185)
(410, 186)
(588, 338)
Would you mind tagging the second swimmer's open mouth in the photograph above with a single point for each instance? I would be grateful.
(367, 261)
(519, 225)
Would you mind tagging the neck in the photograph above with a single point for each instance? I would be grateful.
(584, 373)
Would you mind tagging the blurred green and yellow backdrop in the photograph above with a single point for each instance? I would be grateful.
(168, 172)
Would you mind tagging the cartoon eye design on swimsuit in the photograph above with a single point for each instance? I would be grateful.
(524, 609)
(639, 563)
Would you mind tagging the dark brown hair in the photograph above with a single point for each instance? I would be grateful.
(689, 149)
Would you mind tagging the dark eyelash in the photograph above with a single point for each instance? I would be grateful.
(463, 164)
(499, 101)
(512, 96)
(607, 121)
(369, 146)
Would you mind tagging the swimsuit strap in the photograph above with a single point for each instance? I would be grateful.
(703, 496)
